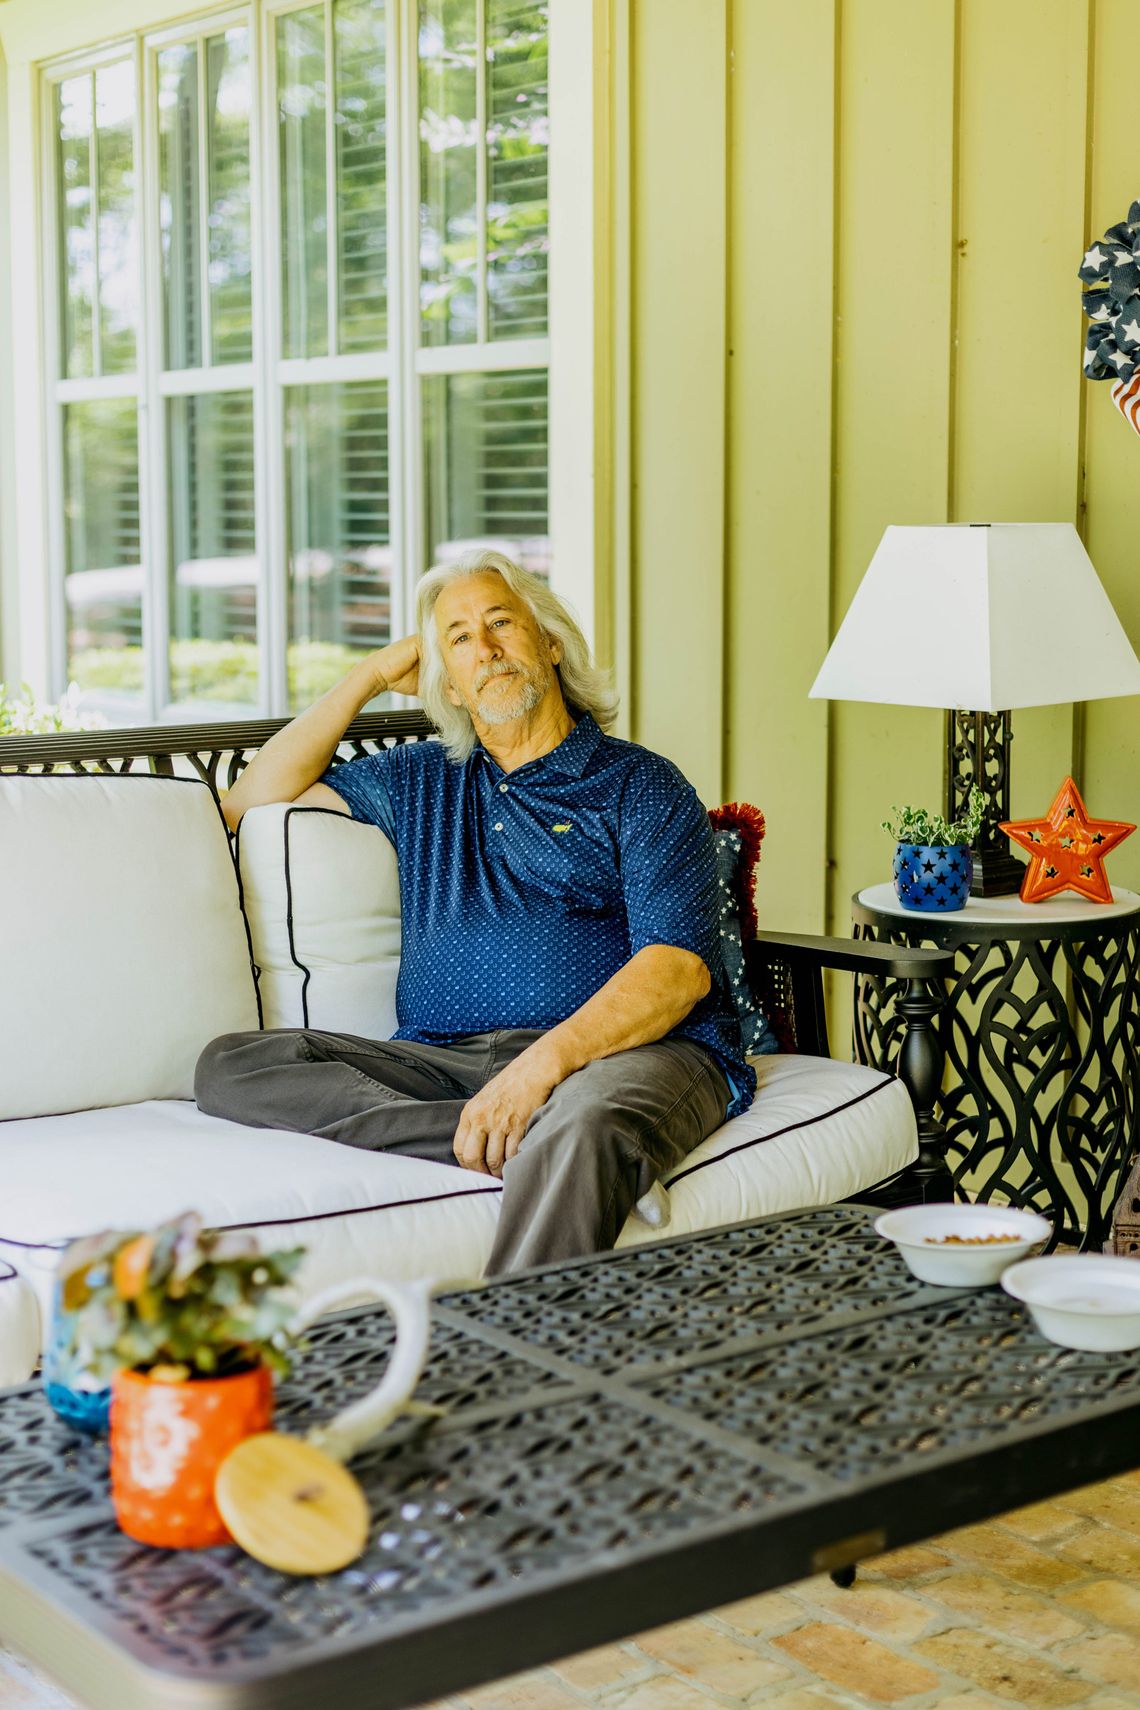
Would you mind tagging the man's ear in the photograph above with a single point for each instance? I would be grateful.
(556, 652)
(455, 698)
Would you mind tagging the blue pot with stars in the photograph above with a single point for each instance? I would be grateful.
(933, 877)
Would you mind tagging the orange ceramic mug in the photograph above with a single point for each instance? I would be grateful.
(167, 1442)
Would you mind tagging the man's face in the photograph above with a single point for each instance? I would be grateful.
(499, 664)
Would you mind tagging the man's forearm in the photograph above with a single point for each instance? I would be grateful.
(298, 754)
(653, 992)
(642, 1002)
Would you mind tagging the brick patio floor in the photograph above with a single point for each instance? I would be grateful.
(1040, 1609)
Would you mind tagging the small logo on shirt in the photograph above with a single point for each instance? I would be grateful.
(567, 827)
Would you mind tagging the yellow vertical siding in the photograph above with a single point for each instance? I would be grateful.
(778, 471)
(679, 57)
(1018, 423)
(894, 211)
(892, 382)
(1111, 770)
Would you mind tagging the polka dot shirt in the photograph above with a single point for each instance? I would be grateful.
(523, 892)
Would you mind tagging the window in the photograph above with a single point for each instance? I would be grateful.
(300, 262)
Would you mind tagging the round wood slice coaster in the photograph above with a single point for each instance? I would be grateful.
(290, 1505)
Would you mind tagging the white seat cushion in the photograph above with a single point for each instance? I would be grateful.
(818, 1131)
(19, 1326)
(125, 948)
(322, 895)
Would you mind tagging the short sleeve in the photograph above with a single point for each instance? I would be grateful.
(363, 784)
(668, 866)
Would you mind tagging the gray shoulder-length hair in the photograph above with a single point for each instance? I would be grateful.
(585, 688)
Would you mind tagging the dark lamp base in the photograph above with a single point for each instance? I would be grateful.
(977, 752)
(996, 874)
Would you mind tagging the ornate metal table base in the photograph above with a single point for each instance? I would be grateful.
(1041, 1029)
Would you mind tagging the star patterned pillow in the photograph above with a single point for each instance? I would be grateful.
(737, 850)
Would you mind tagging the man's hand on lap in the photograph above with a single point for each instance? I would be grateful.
(494, 1121)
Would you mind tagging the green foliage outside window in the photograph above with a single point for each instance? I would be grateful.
(216, 670)
(20, 716)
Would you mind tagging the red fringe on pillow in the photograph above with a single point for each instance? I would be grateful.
(749, 822)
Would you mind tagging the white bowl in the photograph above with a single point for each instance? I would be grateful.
(1081, 1300)
(919, 1232)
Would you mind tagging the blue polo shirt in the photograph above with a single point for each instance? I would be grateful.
(523, 892)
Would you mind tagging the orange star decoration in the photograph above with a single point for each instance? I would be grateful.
(1068, 848)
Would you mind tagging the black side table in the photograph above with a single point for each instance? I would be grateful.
(1041, 1029)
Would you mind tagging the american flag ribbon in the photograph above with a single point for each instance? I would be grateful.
(1126, 397)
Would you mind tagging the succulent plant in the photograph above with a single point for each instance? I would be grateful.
(178, 1301)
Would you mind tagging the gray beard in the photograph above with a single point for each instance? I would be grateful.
(504, 710)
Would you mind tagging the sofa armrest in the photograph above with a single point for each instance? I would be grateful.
(853, 955)
(785, 973)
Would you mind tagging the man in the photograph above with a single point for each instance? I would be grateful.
(564, 1021)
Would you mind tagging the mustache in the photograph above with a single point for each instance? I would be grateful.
(489, 671)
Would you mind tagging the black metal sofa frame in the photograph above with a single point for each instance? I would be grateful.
(784, 969)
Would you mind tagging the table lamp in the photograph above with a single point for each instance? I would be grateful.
(979, 618)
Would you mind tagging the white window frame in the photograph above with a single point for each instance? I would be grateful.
(59, 392)
(164, 383)
(570, 353)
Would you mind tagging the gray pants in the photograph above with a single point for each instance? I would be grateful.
(601, 1140)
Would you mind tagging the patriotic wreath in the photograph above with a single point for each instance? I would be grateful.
(1110, 273)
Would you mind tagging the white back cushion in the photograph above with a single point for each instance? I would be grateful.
(125, 950)
(322, 895)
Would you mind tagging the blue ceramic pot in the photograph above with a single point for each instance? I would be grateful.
(933, 877)
(83, 1402)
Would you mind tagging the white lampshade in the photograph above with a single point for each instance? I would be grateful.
(982, 616)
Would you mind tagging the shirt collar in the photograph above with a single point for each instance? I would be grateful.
(572, 754)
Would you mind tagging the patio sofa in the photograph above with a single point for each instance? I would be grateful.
(134, 932)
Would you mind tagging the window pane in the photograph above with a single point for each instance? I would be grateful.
(213, 557)
(76, 225)
(486, 461)
(104, 575)
(230, 242)
(304, 207)
(340, 562)
(362, 214)
(178, 202)
(118, 261)
(517, 144)
(449, 250)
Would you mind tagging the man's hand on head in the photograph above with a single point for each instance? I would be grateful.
(494, 1121)
(397, 666)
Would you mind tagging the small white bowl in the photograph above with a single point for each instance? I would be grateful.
(1081, 1300)
(919, 1231)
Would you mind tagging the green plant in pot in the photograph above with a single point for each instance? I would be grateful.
(933, 865)
(191, 1325)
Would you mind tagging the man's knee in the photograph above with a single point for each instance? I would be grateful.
(596, 1107)
(218, 1066)
(588, 1128)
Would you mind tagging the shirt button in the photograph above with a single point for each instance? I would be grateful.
(503, 788)
(498, 825)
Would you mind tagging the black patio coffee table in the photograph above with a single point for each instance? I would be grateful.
(629, 1439)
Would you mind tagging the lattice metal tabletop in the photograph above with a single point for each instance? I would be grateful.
(628, 1439)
